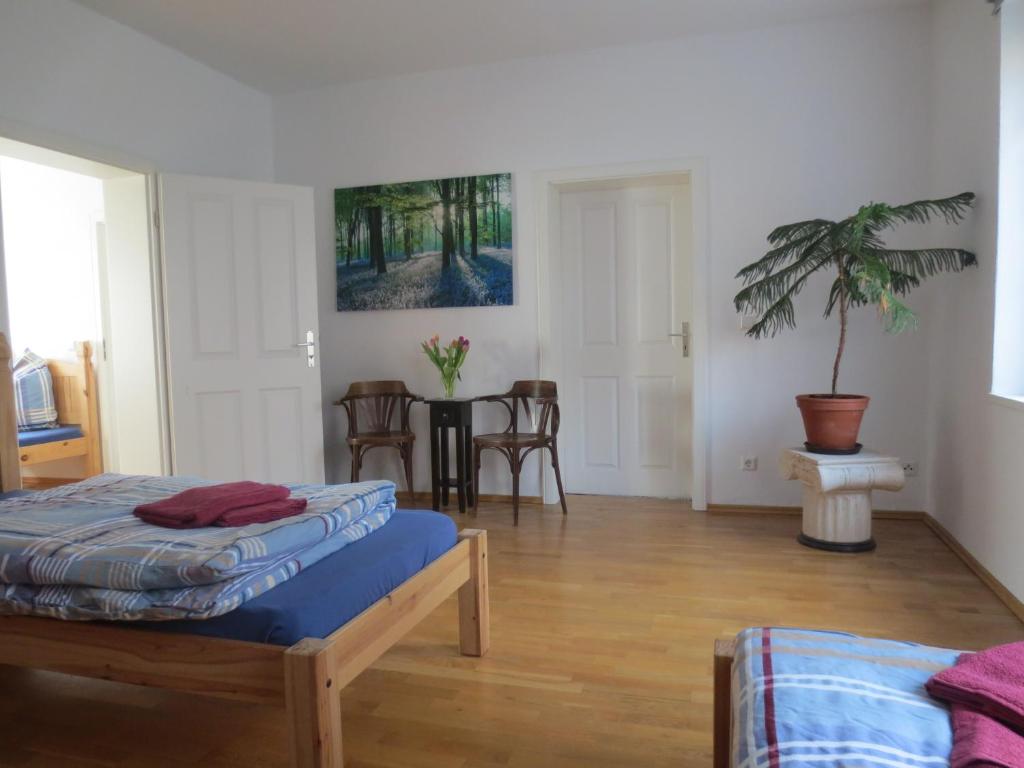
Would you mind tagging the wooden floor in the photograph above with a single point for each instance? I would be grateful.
(601, 649)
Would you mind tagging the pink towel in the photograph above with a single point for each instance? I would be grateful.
(979, 741)
(991, 682)
(262, 513)
(203, 506)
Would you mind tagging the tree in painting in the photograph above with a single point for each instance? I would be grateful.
(436, 243)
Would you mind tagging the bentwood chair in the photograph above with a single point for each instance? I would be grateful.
(516, 445)
(371, 407)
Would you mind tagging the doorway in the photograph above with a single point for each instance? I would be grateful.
(622, 325)
(76, 265)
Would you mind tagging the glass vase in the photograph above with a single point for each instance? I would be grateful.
(448, 383)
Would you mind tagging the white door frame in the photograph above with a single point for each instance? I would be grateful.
(17, 131)
(549, 323)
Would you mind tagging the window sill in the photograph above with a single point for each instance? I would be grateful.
(1014, 403)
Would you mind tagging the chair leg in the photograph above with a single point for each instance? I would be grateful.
(558, 476)
(356, 461)
(407, 459)
(516, 466)
(476, 478)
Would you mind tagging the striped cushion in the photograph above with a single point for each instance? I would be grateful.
(33, 393)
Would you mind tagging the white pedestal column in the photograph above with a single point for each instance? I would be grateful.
(837, 495)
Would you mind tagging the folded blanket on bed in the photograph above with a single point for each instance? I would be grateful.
(78, 552)
(991, 682)
(205, 505)
(812, 699)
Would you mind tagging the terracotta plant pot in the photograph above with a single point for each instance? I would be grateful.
(832, 423)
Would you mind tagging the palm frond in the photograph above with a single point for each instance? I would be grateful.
(951, 209)
(875, 217)
(781, 316)
(761, 296)
(778, 256)
(902, 282)
(789, 232)
(776, 306)
(925, 262)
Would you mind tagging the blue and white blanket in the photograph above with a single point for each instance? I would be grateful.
(808, 699)
(78, 552)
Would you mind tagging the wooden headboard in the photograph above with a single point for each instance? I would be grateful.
(72, 383)
(10, 472)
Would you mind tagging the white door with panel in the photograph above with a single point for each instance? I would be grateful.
(627, 395)
(240, 283)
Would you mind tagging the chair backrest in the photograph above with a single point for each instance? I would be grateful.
(371, 406)
(544, 395)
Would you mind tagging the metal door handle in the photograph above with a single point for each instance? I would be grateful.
(310, 346)
(685, 336)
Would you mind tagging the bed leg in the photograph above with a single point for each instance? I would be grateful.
(725, 650)
(314, 706)
(474, 603)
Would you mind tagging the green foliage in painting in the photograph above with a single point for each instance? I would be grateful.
(441, 242)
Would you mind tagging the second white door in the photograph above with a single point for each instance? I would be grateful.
(626, 399)
(240, 268)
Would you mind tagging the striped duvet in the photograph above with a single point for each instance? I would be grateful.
(808, 699)
(78, 552)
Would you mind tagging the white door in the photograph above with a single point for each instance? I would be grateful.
(626, 398)
(240, 285)
(129, 376)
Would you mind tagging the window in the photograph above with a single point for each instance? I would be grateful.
(1008, 352)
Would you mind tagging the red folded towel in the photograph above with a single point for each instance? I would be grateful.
(991, 682)
(980, 741)
(203, 506)
(262, 513)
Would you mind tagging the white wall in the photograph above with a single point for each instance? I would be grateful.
(90, 83)
(795, 122)
(50, 219)
(976, 484)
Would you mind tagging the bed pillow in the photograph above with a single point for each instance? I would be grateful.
(33, 393)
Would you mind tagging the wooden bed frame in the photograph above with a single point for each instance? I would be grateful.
(725, 653)
(305, 679)
(74, 393)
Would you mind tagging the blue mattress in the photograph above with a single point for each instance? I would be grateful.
(335, 590)
(29, 437)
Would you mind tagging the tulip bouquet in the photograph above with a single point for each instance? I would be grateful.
(448, 360)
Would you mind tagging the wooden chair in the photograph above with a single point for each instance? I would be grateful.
(514, 445)
(371, 407)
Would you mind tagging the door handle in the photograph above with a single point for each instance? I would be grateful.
(685, 336)
(310, 346)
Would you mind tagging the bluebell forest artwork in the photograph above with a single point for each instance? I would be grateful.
(436, 243)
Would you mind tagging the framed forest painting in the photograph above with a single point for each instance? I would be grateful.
(436, 243)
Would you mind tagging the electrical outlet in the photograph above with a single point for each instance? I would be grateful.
(748, 463)
(910, 468)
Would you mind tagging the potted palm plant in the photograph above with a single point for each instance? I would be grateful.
(866, 272)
